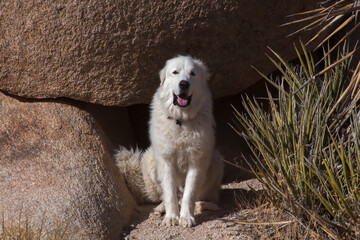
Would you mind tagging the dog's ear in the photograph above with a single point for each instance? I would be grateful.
(162, 75)
(204, 70)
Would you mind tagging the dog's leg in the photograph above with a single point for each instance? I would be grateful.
(193, 180)
(169, 194)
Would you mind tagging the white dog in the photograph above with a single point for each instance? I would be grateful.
(181, 157)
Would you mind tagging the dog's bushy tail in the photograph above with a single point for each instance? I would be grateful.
(129, 164)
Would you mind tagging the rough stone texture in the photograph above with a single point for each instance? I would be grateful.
(110, 52)
(55, 166)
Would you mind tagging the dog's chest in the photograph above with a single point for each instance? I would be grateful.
(188, 141)
(185, 134)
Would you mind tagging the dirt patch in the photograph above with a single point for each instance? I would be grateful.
(210, 225)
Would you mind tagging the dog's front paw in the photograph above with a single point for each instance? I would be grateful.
(187, 221)
(170, 221)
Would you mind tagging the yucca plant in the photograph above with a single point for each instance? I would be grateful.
(330, 18)
(306, 146)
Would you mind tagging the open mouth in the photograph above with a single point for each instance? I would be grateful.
(182, 100)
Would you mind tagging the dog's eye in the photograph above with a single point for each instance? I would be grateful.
(175, 72)
(192, 73)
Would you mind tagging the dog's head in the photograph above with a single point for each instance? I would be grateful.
(184, 80)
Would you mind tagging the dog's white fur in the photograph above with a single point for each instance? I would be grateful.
(181, 155)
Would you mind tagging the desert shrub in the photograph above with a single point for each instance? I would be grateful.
(306, 145)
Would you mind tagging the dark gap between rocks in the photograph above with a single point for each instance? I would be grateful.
(128, 127)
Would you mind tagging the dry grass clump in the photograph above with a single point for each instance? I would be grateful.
(261, 219)
(24, 229)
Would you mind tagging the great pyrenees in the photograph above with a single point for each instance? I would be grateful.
(181, 161)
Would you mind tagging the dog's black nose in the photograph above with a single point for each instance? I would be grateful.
(184, 85)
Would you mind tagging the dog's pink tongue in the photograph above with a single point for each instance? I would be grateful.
(182, 102)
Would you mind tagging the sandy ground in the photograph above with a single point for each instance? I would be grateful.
(210, 225)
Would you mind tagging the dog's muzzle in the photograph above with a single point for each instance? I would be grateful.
(181, 100)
